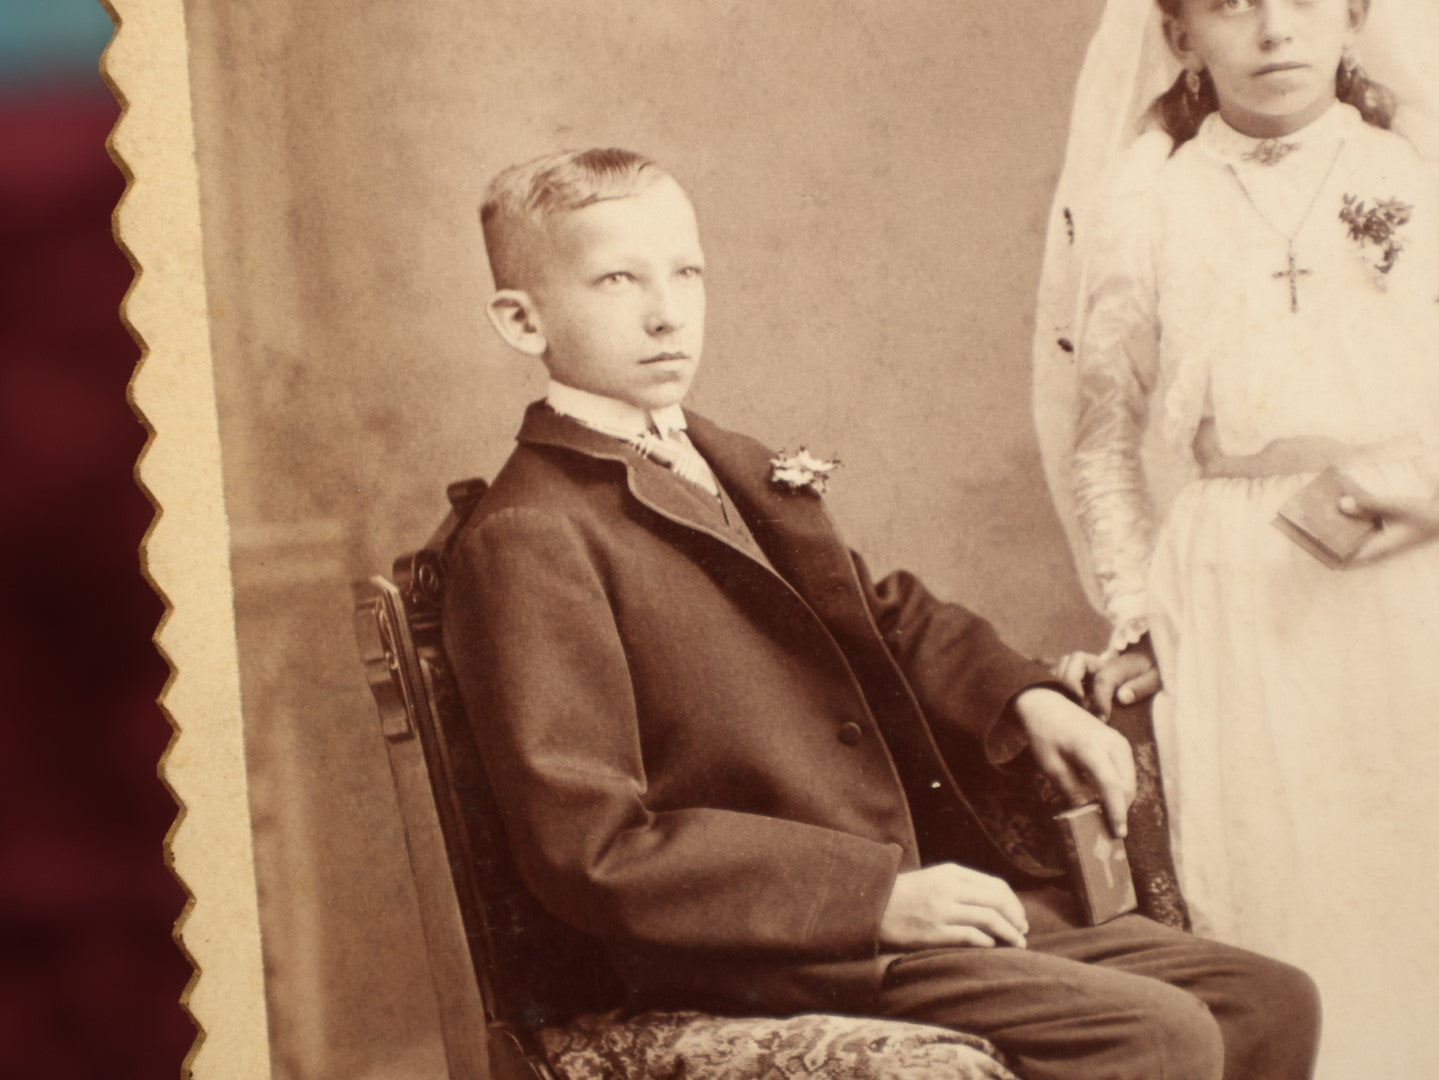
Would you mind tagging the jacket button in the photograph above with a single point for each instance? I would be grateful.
(849, 734)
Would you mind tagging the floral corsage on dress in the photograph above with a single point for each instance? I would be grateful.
(1376, 231)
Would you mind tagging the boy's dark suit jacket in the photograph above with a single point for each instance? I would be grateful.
(713, 758)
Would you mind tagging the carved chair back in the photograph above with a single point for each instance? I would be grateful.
(504, 968)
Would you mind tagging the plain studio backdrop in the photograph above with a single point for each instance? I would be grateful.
(872, 181)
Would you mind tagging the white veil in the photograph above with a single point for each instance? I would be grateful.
(1127, 66)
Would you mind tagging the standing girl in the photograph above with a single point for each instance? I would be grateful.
(1263, 283)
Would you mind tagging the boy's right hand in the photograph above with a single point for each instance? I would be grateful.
(951, 905)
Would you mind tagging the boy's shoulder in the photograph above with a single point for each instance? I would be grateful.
(554, 461)
(544, 488)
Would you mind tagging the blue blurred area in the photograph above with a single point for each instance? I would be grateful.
(48, 42)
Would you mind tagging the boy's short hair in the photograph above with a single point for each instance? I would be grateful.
(523, 197)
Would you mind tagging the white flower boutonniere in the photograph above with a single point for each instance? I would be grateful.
(801, 471)
(1376, 228)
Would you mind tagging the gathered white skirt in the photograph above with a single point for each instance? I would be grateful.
(1299, 738)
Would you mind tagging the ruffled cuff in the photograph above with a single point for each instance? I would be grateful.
(1127, 633)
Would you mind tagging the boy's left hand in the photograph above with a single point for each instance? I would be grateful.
(1083, 756)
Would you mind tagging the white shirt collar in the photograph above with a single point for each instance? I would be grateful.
(606, 414)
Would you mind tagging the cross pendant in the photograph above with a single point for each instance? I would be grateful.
(1293, 273)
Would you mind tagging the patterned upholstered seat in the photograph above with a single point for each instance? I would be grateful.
(695, 1045)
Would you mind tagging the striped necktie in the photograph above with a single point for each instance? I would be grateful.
(675, 452)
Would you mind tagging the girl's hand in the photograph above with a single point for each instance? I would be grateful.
(1074, 670)
(1422, 515)
(1131, 676)
(1100, 681)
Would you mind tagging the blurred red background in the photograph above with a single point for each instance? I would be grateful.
(90, 977)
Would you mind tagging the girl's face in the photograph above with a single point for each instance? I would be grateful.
(1272, 61)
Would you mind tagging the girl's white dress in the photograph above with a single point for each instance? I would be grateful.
(1299, 724)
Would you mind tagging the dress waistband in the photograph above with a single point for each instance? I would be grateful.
(1298, 459)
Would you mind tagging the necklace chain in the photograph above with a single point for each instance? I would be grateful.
(1293, 272)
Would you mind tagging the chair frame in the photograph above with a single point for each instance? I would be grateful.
(397, 628)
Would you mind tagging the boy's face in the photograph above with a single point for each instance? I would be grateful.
(620, 296)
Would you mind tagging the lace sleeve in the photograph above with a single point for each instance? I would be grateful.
(1117, 365)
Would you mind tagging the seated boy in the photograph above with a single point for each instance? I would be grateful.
(725, 751)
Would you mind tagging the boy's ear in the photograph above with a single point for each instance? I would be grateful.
(515, 317)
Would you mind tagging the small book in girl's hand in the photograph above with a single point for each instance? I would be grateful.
(1313, 520)
(1098, 864)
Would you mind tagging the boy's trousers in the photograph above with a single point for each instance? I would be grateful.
(1128, 999)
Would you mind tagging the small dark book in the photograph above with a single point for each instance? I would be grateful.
(1098, 864)
(1312, 519)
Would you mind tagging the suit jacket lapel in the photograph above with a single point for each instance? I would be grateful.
(652, 486)
(794, 528)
